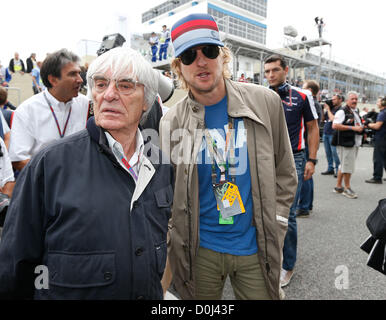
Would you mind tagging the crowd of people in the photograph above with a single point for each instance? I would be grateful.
(16, 65)
(114, 214)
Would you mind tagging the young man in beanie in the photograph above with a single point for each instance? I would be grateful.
(235, 176)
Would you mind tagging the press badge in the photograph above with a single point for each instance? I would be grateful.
(229, 201)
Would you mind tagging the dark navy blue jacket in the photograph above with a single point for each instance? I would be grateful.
(70, 211)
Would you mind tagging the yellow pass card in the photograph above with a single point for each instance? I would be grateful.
(229, 201)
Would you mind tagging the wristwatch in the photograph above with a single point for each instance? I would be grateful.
(314, 161)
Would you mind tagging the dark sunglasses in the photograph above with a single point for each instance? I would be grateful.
(189, 55)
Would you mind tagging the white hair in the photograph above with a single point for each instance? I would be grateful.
(351, 93)
(126, 62)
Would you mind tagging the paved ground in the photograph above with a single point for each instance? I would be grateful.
(330, 238)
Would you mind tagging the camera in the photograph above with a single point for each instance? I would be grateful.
(111, 41)
(328, 102)
(367, 121)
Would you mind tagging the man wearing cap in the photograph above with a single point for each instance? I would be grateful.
(164, 41)
(235, 178)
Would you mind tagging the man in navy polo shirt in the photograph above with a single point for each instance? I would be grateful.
(379, 155)
(328, 133)
(300, 115)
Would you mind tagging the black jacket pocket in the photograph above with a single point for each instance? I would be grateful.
(81, 270)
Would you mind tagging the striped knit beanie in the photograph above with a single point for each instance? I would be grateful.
(193, 30)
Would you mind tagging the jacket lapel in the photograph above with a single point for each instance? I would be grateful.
(146, 173)
(236, 105)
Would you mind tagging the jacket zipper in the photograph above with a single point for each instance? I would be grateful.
(189, 227)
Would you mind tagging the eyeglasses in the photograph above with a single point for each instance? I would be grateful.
(189, 55)
(124, 86)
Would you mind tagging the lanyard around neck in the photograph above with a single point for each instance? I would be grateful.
(56, 119)
(129, 167)
(119, 155)
(220, 159)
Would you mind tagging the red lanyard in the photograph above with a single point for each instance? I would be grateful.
(131, 170)
(119, 155)
(56, 119)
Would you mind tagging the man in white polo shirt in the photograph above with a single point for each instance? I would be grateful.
(52, 114)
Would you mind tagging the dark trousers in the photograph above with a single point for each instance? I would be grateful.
(35, 90)
(379, 158)
(306, 196)
(291, 238)
(154, 50)
(163, 51)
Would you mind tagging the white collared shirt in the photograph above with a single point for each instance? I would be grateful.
(34, 125)
(135, 160)
(6, 171)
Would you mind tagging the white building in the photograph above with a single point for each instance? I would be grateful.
(242, 25)
(244, 19)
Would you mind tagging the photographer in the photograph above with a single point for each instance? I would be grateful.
(368, 133)
(379, 155)
(331, 107)
(348, 139)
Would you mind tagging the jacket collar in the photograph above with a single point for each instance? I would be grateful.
(55, 102)
(97, 134)
(236, 105)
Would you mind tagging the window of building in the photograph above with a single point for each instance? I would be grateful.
(162, 8)
(255, 6)
(239, 27)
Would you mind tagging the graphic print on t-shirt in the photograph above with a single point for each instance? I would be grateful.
(238, 238)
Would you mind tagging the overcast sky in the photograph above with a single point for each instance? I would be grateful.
(355, 28)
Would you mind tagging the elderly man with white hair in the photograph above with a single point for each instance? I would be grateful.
(348, 139)
(90, 212)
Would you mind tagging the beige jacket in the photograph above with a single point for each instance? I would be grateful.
(273, 178)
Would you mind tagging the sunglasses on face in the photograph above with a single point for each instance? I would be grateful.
(189, 55)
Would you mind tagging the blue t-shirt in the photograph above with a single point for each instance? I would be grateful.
(36, 73)
(238, 238)
(379, 134)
